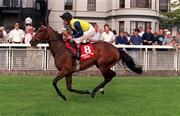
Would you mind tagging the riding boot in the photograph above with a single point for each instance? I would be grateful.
(78, 57)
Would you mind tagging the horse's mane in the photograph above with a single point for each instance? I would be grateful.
(58, 35)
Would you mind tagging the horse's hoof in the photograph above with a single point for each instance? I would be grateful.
(92, 94)
(64, 97)
(101, 90)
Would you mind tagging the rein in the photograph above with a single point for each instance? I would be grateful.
(55, 40)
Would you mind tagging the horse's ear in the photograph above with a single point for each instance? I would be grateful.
(43, 22)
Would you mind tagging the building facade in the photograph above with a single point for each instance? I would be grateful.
(121, 15)
(12, 11)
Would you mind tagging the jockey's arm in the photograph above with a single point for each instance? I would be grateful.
(79, 31)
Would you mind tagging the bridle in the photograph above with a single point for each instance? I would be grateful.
(46, 31)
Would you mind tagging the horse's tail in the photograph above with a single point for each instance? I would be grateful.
(128, 61)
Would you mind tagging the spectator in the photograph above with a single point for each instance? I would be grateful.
(141, 31)
(114, 32)
(126, 34)
(28, 23)
(29, 35)
(177, 38)
(16, 35)
(136, 40)
(97, 34)
(101, 31)
(169, 40)
(4, 31)
(159, 38)
(148, 37)
(165, 31)
(107, 35)
(1, 36)
(30, 54)
(3, 53)
(121, 39)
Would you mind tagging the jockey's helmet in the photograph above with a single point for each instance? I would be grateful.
(66, 16)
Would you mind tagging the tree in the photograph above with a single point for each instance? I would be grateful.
(173, 16)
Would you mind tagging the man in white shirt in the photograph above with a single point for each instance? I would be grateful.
(16, 35)
(97, 34)
(107, 35)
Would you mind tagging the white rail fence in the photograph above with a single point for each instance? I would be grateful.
(23, 57)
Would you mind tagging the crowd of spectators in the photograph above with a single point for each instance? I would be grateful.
(17, 35)
(138, 37)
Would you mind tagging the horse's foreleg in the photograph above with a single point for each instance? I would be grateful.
(108, 75)
(69, 86)
(59, 77)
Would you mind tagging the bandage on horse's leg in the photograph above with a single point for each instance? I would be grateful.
(108, 74)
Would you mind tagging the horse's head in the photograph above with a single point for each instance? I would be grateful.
(41, 36)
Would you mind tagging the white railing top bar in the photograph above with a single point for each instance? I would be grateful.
(118, 46)
(21, 45)
(145, 46)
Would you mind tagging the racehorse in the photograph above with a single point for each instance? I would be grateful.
(106, 55)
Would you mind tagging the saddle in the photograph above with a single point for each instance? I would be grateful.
(71, 45)
(86, 49)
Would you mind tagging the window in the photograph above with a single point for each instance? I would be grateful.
(14, 3)
(11, 3)
(141, 3)
(6, 3)
(163, 5)
(137, 24)
(121, 26)
(121, 3)
(91, 5)
(68, 4)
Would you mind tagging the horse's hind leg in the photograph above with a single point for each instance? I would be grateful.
(69, 86)
(108, 74)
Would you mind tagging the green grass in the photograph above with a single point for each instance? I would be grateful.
(35, 96)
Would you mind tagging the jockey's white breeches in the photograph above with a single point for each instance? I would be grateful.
(86, 35)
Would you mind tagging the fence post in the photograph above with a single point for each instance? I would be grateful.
(45, 58)
(146, 59)
(9, 58)
(176, 56)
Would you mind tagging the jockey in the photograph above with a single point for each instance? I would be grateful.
(82, 31)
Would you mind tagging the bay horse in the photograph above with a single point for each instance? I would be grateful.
(106, 56)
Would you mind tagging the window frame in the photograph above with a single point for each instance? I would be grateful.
(91, 5)
(121, 3)
(141, 4)
(68, 4)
